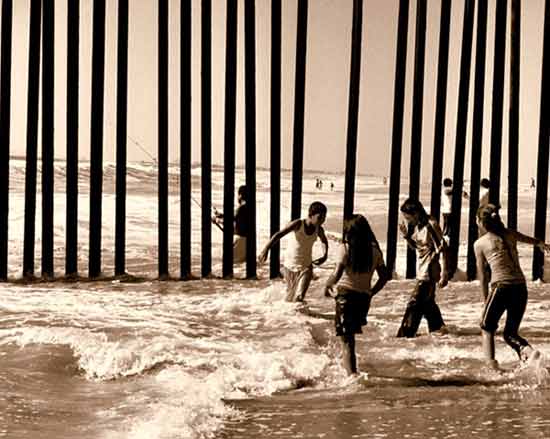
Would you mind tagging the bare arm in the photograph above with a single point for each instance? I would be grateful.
(334, 278)
(442, 248)
(482, 273)
(384, 276)
(293, 225)
(324, 241)
(520, 237)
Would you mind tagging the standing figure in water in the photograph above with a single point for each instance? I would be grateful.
(426, 238)
(240, 224)
(497, 249)
(358, 258)
(298, 264)
(446, 205)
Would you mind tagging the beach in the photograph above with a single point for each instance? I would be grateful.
(216, 358)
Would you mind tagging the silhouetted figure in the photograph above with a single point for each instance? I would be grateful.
(240, 224)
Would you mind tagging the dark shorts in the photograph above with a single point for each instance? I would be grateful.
(351, 311)
(509, 298)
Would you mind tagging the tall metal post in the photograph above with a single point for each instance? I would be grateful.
(440, 108)
(229, 148)
(498, 98)
(48, 17)
(477, 133)
(250, 120)
(542, 158)
(461, 127)
(121, 138)
(416, 135)
(96, 137)
(73, 43)
(185, 141)
(299, 109)
(397, 131)
(275, 132)
(513, 125)
(5, 113)
(206, 137)
(163, 138)
(353, 107)
(32, 137)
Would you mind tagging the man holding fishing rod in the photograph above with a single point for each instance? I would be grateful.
(241, 226)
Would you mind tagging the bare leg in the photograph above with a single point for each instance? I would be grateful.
(348, 353)
(303, 284)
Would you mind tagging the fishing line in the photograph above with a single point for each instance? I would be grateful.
(143, 149)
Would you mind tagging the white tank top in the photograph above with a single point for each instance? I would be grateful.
(298, 254)
(446, 200)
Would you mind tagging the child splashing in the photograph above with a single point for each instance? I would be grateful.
(298, 263)
(359, 257)
(426, 238)
(497, 249)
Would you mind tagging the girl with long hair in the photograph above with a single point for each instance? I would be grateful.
(497, 249)
(358, 258)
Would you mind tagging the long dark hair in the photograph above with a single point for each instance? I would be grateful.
(360, 238)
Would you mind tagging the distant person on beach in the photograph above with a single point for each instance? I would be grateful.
(358, 258)
(446, 204)
(331, 186)
(427, 239)
(497, 249)
(240, 224)
(484, 188)
(532, 183)
(448, 221)
(385, 180)
(298, 264)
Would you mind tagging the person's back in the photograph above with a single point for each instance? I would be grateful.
(241, 220)
(446, 200)
(502, 257)
(358, 281)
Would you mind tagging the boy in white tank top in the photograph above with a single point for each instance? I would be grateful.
(298, 259)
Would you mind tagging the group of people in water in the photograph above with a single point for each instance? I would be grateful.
(503, 284)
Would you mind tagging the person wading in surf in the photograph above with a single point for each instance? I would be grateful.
(358, 258)
(298, 264)
(240, 224)
(497, 250)
(427, 239)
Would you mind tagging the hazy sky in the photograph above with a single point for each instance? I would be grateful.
(328, 62)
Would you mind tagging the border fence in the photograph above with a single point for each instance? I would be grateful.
(41, 57)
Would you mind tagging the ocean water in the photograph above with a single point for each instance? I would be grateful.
(231, 359)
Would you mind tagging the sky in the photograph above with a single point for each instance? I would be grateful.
(327, 83)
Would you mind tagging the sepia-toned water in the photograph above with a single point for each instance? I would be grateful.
(231, 359)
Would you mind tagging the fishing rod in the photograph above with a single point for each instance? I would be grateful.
(146, 151)
(216, 213)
